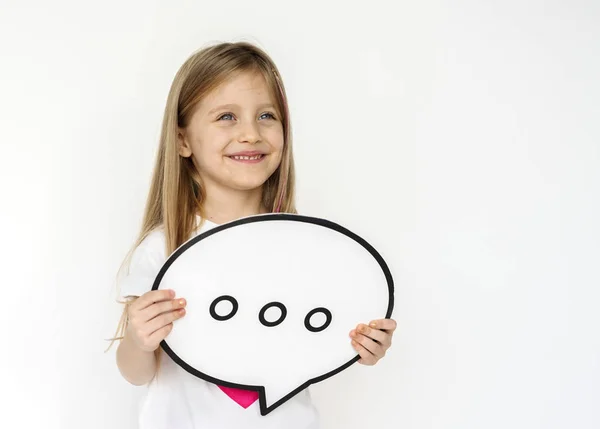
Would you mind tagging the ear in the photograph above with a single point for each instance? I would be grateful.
(183, 146)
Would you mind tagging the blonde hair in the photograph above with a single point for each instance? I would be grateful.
(176, 192)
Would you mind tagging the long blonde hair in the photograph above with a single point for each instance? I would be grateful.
(176, 192)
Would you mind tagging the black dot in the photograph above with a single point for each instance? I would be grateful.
(311, 313)
(261, 315)
(234, 308)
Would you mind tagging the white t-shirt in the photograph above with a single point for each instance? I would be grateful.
(175, 399)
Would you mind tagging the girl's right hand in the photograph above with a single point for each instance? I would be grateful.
(151, 318)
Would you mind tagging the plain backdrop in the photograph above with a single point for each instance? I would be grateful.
(461, 138)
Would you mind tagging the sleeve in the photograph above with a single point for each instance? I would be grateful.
(146, 261)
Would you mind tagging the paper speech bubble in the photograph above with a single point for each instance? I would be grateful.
(271, 300)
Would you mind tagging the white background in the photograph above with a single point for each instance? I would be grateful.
(460, 137)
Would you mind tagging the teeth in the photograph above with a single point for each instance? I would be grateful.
(246, 157)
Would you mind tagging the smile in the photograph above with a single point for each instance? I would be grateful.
(248, 159)
(241, 157)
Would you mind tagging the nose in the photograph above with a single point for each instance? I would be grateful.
(248, 132)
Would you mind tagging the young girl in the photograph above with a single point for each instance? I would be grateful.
(225, 153)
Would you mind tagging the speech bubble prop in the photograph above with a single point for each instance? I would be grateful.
(271, 300)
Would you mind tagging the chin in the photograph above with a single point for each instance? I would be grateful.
(248, 184)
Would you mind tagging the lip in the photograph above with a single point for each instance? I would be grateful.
(247, 153)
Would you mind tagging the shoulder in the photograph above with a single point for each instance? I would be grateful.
(154, 242)
(143, 265)
(151, 250)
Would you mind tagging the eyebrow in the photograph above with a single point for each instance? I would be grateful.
(232, 106)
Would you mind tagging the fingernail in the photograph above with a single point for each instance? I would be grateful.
(361, 328)
(373, 325)
(182, 302)
(182, 310)
(172, 292)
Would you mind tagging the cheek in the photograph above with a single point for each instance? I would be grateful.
(210, 144)
(278, 146)
(276, 139)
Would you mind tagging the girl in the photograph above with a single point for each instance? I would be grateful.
(225, 152)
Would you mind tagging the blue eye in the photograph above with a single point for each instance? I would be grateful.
(270, 115)
(225, 116)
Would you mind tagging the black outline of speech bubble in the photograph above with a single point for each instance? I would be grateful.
(264, 409)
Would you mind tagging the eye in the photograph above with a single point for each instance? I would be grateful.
(268, 115)
(225, 116)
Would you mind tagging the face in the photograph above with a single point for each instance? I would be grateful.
(235, 137)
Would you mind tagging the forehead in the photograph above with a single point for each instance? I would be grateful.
(249, 87)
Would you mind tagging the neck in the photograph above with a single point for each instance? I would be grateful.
(222, 206)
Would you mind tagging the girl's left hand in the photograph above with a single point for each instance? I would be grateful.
(372, 341)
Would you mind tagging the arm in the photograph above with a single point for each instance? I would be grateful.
(136, 365)
(150, 320)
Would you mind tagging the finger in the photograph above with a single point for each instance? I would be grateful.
(381, 337)
(373, 347)
(149, 298)
(388, 325)
(163, 320)
(161, 334)
(366, 357)
(155, 309)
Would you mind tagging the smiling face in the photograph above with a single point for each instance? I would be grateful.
(235, 136)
